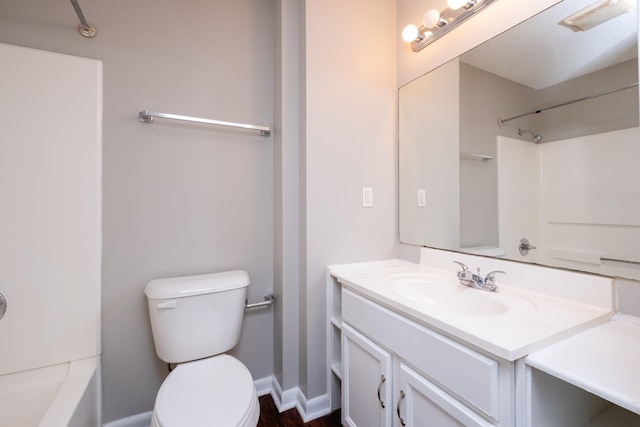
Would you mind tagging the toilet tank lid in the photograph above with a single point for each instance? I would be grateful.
(185, 286)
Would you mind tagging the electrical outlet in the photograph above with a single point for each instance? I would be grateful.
(367, 197)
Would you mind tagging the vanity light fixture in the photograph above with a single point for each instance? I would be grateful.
(435, 24)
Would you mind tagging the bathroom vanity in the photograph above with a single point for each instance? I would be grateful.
(409, 345)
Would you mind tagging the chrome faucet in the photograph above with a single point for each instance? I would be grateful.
(467, 278)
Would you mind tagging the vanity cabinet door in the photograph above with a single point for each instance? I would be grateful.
(366, 381)
(420, 403)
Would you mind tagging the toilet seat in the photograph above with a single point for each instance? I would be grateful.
(217, 391)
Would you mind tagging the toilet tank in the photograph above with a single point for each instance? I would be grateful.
(193, 317)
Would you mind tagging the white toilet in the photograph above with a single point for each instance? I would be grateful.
(194, 320)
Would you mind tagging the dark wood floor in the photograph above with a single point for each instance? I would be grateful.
(269, 417)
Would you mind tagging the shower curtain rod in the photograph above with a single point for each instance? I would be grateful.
(84, 28)
(147, 117)
(503, 121)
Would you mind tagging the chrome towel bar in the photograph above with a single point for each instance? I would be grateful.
(148, 116)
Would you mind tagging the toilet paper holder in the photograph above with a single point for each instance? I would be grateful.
(269, 299)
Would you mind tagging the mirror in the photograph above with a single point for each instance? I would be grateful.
(561, 170)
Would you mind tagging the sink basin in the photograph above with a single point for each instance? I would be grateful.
(449, 295)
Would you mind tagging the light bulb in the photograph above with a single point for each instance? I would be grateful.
(456, 4)
(410, 33)
(431, 18)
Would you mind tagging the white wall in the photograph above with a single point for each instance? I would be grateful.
(519, 200)
(582, 179)
(559, 195)
(178, 198)
(348, 142)
(430, 158)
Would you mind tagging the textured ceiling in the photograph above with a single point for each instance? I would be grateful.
(540, 53)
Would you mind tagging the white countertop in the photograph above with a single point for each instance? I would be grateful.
(604, 360)
(510, 335)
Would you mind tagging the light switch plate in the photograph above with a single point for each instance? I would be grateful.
(422, 197)
(367, 197)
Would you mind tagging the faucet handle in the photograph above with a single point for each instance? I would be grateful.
(490, 279)
(465, 269)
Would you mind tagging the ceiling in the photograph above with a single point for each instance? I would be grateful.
(540, 53)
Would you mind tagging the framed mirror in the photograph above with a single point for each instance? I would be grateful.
(527, 147)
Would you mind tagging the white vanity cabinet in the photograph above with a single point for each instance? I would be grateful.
(396, 372)
(407, 344)
(421, 402)
(366, 381)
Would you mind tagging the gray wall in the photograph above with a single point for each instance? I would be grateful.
(178, 198)
(483, 98)
(287, 209)
(185, 199)
(615, 111)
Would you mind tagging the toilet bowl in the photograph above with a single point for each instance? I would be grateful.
(194, 321)
(217, 391)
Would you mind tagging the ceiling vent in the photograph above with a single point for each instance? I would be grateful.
(597, 13)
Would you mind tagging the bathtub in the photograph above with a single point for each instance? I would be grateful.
(64, 395)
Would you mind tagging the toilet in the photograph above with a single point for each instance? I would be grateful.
(194, 320)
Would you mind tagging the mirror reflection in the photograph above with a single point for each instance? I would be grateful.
(527, 147)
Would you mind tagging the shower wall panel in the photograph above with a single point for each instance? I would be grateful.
(50, 221)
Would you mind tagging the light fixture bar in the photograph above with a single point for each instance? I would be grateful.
(455, 19)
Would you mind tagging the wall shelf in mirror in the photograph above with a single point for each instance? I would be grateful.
(485, 158)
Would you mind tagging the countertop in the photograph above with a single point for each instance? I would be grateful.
(510, 335)
(604, 360)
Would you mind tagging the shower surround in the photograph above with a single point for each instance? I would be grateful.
(50, 184)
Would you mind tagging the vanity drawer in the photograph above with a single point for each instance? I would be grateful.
(470, 376)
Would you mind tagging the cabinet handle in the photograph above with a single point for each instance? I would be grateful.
(382, 381)
(3, 307)
(402, 420)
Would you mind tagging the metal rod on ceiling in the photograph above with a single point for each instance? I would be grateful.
(626, 261)
(585, 98)
(84, 28)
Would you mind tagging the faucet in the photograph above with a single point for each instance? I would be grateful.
(487, 283)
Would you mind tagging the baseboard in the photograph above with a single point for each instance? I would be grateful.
(294, 398)
(313, 408)
(263, 386)
(284, 399)
(138, 420)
